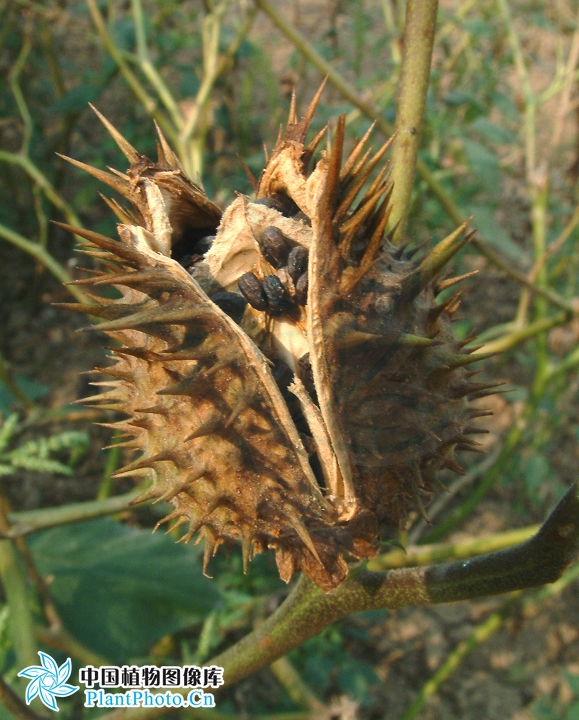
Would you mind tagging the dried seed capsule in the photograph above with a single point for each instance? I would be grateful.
(297, 262)
(232, 304)
(274, 247)
(275, 293)
(302, 290)
(282, 203)
(252, 291)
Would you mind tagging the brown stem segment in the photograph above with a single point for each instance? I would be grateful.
(308, 610)
(419, 30)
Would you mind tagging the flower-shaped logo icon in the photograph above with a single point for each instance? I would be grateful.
(48, 681)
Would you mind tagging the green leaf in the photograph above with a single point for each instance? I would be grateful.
(78, 98)
(119, 589)
(31, 388)
(39, 464)
(483, 162)
(536, 471)
(573, 681)
(7, 430)
(356, 678)
(492, 232)
(543, 709)
(573, 712)
(491, 131)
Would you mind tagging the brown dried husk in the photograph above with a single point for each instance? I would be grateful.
(316, 470)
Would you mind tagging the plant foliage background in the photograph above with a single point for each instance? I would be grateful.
(501, 142)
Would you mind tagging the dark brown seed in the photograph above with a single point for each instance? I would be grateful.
(297, 262)
(252, 291)
(276, 297)
(274, 247)
(302, 217)
(302, 290)
(232, 304)
(287, 282)
(204, 244)
(282, 203)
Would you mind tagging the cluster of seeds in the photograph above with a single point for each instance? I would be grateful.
(281, 291)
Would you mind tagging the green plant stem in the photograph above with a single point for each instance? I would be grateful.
(147, 101)
(149, 70)
(501, 262)
(17, 92)
(427, 554)
(10, 700)
(192, 135)
(24, 523)
(38, 252)
(7, 379)
(16, 591)
(307, 610)
(308, 51)
(111, 464)
(419, 28)
(43, 183)
(483, 632)
(372, 113)
(479, 635)
(295, 687)
(516, 337)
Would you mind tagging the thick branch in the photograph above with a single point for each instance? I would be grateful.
(307, 610)
(419, 30)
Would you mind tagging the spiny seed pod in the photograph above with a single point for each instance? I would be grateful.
(311, 418)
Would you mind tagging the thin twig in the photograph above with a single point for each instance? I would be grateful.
(565, 102)
(427, 554)
(295, 687)
(43, 256)
(26, 522)
(555, 246)
(308, 610)
(43, 183)
(372, 113)
(147, 101)
(7, 379)
(149, 70)
(497, 259)
(516, 337)
(18, 94)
